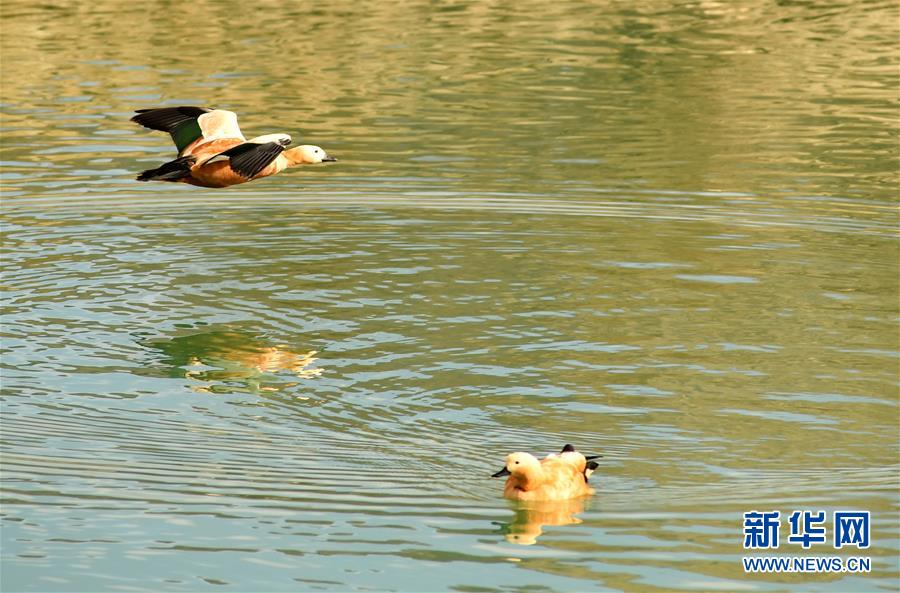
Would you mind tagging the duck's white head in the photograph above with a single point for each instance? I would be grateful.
(308, 154)
(519, 464)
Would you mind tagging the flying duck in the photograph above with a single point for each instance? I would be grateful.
(212, 151)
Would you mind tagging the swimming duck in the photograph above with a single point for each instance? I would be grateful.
(558, 476)
(212, 151)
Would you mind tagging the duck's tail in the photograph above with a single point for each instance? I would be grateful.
(172, 171)
(590, 465)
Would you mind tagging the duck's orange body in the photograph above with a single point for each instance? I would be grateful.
(212, 150)
(556, 477)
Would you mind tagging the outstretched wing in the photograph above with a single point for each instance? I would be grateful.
(186, 125)
(250, 158)
(220, 123)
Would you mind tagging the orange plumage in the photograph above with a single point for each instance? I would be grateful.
(212, 150)
(556, 477)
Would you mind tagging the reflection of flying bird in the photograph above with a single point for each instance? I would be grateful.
(556, 477)
(243, 364)
(232, 360)
(274, 359)
(212, 151)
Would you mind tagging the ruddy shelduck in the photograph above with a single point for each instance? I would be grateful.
(212, 151)
(559, 476)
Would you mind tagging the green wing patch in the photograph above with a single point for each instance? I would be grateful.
(185, 133)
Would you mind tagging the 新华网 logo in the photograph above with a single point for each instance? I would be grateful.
(848, 529)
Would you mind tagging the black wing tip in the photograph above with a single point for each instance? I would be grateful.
(185, 109)
(589, 468)
(571, 449)
(248, 160)
(171, 171)
(166, 119)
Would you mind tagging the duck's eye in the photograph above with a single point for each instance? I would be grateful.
(517, 463)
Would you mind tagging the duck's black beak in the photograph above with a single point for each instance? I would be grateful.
(501, 473)
(329, 159)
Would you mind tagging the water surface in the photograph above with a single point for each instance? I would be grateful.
(663, 232)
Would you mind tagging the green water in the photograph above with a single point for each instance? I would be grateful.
(662, 231)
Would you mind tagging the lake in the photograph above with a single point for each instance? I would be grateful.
(664, 232)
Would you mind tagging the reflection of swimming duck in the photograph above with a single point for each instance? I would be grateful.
(212, 150)
(556, 477)
(532, 515)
